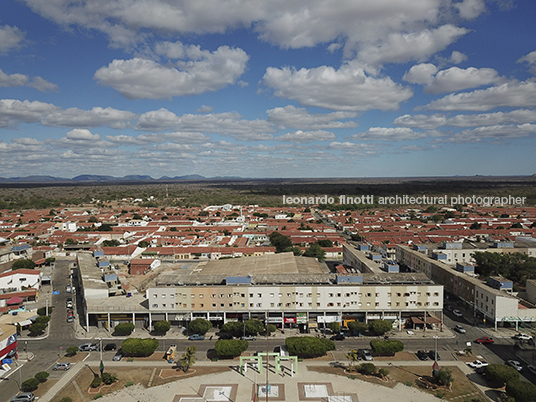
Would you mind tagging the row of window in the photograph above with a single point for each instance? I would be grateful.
(290, 294)
(298, 304)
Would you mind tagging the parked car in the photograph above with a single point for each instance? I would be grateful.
(196, 337)
(338, 337)
(485, 339)
(24, 397)
(460, 329)
(118, 356)
(248, 338)
(457, 313)
(68, 288)
(88, 347)
(515, 364)
(110, 346)
(70, 318)
(69, 304)
(366, 355)
(62, 366)
(523, 337)
(225, 335)
(477, 364)
(422, 355)
(434, 355)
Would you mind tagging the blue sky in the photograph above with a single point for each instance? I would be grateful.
(258, 88)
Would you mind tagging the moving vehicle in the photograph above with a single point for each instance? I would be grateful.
(457, 313)
(88, 347)
(485, 339)
(478, 364)
(422, 355)
(515, 364)
(523, 337)
(62, 366)
(248, 338)
(460, 329)
(196, 337)
(24, 397)
(109, 346)
(532, 368)
(338, 337)
(118, 356)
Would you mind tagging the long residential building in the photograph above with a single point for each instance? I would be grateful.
(492, 301)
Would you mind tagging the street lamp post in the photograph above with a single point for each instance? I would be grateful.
(435, 351)
(100, 347)
(6, 379)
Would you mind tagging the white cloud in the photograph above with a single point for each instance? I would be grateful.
(10, 38)
(307, 136)
(157, 120)
(457, 57)
(294, 117)
(421, 121)
(510, 94)
(405, 46)
(348, 88)
(205, 109)
(470, 9)
(351, 148)
(19, 80)
(389, 134)
(450, 80)
(82, 134)
(204, 72)
(98, 116)
(145, 139)
(42, 85)
(498, 132)
(530, 59)
(13, 111)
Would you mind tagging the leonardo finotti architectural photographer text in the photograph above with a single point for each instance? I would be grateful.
(403, 200)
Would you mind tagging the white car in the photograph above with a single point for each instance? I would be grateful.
(515, 364)
(460, 329)
(532, 368)
(523, 337)
(477, 364)
(457, 313)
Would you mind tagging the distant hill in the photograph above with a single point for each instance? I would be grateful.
(99, 178)
(187, 177)
(92, 177)
(30, 179)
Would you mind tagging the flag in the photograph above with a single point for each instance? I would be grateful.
(101, 367)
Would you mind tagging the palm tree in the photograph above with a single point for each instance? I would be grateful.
(188, 358)
(352, 356)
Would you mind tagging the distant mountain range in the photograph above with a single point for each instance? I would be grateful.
(103, 178)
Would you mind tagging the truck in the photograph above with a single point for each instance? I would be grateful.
(170, 354)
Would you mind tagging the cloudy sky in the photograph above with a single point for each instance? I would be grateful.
(257, 88)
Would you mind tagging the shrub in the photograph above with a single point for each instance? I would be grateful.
(42, 376)
(357, 327)
(66, 399)
(380, 327)
(71, 351)
(271, 328)
(230, 347)
(199, 326)
(521, 391)
(308, 346)
(139, 347)
(367, 368)
(123, 329)
(42, 319)
(43, 310)
(386, 346)
(23, 264)
(501, 374)
(108, 378)
(99, 395)
(97, 381)
(383, 372)
(161, 327)
(335, 327)
(29, 385)
(37, 328)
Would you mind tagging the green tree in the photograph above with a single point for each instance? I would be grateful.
(335, 327)
(71, 351)
(254, 327)
(357, 327)
(199, 326)
(383, 372)
(97, 381)
(315, 251)
(161, 327)
(111, 243)
(352, 356)
(501, 374)
(43, 310)
(308, 346)
(92, 219)
(42, 376)
(325, 243)
(188, 358)
(70, 242)
(123, 329)
(271, 328)
(280, 242)
(23, 264)
(445, 377)
(139, 346)
(105, 227)
(521, 391)
(380, 327)
(42, 319)
(368, 368)
(230, 347)
(29, 385)
(37, 328)
(108, 378)
(143, 244)
(386, 346)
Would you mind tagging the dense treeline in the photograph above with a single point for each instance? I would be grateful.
(517, 267)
